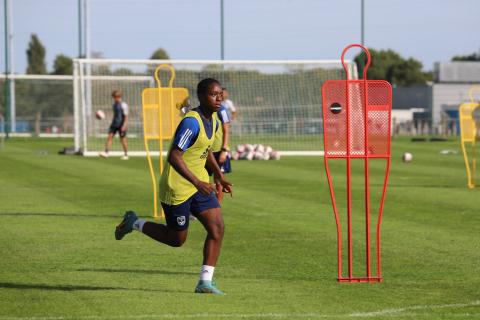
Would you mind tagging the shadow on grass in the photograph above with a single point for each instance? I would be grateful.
(143, 271)
(55, 287)
(69, 215)
(70, 288)
(437, 186)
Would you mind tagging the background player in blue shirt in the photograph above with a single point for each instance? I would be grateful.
(220, 147)
(119, 124)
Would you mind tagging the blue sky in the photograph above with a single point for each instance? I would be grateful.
(428, 30)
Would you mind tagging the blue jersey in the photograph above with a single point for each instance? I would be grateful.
(188, 129)
(120, 110)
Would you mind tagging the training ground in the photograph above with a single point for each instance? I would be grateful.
(59, 258)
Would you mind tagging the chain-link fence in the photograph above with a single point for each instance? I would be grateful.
(42, 105)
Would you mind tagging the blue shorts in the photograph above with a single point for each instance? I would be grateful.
(178, 216)
(114, 129)
(226, 167)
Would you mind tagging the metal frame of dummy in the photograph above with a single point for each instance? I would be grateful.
(160, 136)
(366, 156)
(467, 121)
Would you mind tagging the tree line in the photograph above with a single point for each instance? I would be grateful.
(55, 98)
(37, 99)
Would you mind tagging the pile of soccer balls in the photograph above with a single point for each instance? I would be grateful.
(255, 152)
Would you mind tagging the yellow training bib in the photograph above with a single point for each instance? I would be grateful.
(217, 144)
(175, 189)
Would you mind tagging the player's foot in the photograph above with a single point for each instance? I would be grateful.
(124, 158)
(103, 154)
(204, 286)
(126, 226)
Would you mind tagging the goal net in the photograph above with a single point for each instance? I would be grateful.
(278, 103)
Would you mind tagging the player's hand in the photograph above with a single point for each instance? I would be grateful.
(222, 157)
(226, 186)
(204, 187)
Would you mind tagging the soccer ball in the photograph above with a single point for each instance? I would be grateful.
(241, 148)
(260, 148)
(275, 155)
(100, 115)
(407, 157)
(235, 155)
(258, 155)
(250, 155)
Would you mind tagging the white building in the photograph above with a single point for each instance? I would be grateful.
(440, 99)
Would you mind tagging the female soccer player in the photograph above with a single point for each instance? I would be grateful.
(185, 188)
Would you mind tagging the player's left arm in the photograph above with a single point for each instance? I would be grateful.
(125, 123)
(225, 123)
(217, 174)
(226, 136)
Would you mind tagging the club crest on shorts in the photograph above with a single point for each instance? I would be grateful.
(181, 220)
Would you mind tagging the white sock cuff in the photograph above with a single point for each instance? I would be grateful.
(138, 225)
(207, 273)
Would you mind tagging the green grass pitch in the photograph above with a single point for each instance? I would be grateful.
(59, 259)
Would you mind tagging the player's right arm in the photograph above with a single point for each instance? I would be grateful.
(185, 136)
(176, 161)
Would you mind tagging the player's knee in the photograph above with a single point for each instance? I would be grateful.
(178, 241)
(221, 228)
(217, 230)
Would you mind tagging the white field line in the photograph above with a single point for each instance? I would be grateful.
(384, 313)
(387, 312)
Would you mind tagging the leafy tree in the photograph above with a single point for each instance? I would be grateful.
(391, 66)
(160, 54)
(123, 72)
(471, 57)
(63, 65)
(39, 99)
(36, 56)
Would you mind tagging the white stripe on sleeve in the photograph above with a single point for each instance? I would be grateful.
(184, 138)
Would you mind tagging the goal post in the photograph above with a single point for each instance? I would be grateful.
(278, 102)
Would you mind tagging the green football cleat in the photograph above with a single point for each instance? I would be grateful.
(126, 226)
(204, 286)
